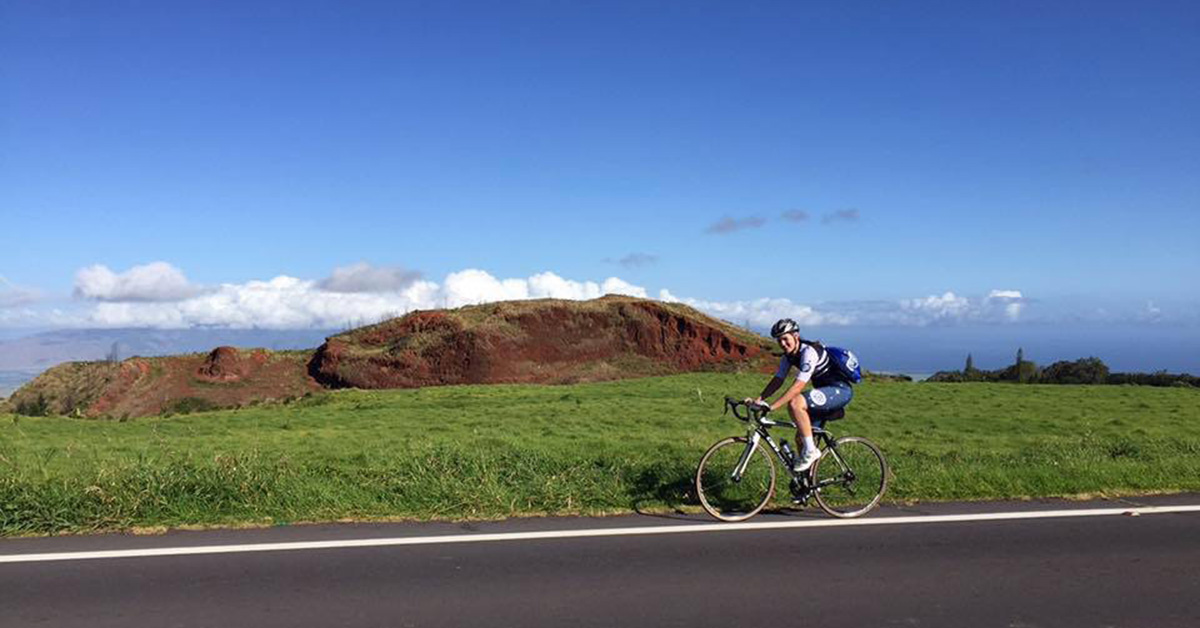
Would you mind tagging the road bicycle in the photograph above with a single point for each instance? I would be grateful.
(736, 476)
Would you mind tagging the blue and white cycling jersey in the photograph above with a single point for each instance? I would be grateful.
(812, 364)
(830, 389)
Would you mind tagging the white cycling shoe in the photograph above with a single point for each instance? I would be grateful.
(806, 460)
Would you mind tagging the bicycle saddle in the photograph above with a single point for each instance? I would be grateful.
(833, 414)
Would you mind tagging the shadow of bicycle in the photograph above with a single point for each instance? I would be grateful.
(666, 494)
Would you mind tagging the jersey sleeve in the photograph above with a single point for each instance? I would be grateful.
(784, 367)
(808, 364)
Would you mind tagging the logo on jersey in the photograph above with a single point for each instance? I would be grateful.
(806, 367)
(851, 361)
(817, 397)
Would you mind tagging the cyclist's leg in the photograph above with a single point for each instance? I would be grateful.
(798, 408)
(819, 401)
(828, 398)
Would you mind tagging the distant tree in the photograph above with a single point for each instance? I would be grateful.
(946, 377)
(1025, 372)
(970, 364)
(1157, 378)
(1085, 371)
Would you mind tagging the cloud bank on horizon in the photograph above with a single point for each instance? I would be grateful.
(153, 282)
(12, 295)
(159, 295)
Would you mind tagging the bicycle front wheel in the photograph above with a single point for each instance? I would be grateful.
(727, 494)
(850, 477)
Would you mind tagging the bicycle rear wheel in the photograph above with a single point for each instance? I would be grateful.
(729, 497)
(851, 477)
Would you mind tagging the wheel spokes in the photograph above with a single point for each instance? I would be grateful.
(851, 477)
(725, 494)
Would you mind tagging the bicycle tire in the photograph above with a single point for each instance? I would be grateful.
(730, 500)
(850, 477)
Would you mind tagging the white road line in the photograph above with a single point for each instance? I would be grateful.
(576, 534)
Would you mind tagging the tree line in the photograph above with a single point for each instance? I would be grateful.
(1089, 370)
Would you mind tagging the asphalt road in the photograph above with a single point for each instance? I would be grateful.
(1141, 571)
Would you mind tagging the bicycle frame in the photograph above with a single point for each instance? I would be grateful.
(758, 431)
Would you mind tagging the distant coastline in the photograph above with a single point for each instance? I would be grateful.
(12, 380)
(916, 377)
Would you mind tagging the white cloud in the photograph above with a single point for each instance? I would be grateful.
(477, 286)
(760, 313)
(950, 308)
(157, 281)
(1010, 301)
(281, 303)
(947, 307)
(551, 286)
(363, 277)
(614, 285)
(351, 296)
(150, 296)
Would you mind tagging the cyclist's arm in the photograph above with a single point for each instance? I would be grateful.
(792, 393)
(772, 386)
(780, 375)
(808, 363)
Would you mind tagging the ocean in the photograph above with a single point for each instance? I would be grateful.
(925, 350)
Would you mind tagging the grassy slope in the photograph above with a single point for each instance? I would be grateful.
(488, 451)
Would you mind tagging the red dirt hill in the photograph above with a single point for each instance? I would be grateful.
(226, 377)
(542, 341)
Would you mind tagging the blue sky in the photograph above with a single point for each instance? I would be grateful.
(951, 159)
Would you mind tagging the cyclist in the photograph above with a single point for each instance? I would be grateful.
(830, 390)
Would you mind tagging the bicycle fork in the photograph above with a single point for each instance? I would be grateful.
(738, 470)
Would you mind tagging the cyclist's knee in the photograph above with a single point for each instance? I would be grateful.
(798, 404)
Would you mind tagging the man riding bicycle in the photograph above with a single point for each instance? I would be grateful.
(830, 389)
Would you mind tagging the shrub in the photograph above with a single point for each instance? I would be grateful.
(34, 407)
(1085, 371)
(188, 405)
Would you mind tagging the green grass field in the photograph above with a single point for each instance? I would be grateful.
(496, 451)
